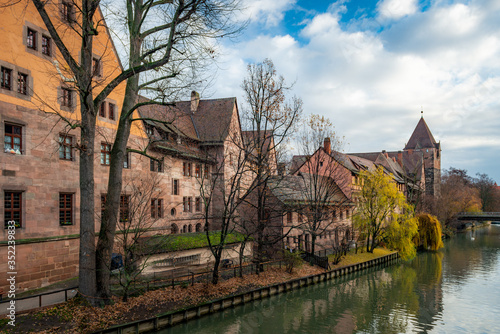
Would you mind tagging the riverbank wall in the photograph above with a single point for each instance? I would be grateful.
(178, 316)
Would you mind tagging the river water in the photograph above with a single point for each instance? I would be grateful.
(455, 290)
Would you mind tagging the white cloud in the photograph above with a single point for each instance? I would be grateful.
(396, 9)
(270, 13)
(372, 85)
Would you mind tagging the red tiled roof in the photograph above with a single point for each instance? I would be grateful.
(421, 137)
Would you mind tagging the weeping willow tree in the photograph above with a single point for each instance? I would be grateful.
(429, 232)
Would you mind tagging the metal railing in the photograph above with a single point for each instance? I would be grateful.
(42, 299)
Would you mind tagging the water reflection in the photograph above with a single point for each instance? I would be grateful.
(440, 292)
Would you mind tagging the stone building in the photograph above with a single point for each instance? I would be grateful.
(39, 156)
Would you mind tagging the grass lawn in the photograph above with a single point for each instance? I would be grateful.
(352, 258)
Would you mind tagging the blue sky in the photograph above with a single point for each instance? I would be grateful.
(371, 66)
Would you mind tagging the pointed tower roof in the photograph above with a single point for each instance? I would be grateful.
(421, 137)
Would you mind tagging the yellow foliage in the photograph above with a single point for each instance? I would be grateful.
(429, 232)
(383, 214)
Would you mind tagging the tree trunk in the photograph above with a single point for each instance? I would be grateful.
(117, 156)
(242, 251)
(215, 273)
(111, 211)
(86, 276)
(313, 242)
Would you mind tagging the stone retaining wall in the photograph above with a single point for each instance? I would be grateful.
(175, 317)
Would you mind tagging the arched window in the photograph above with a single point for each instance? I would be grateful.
(172, 212)
(184, 229)
(190, 228)
(198, 227)
(174, 229)
(348, 235)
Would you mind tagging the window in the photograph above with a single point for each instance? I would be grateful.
(22, 83)
(155, 165)
(96, 67)
(289, 217)
(12, 208)
(105, 153)
(66, 209)
(111, 111)
(124, 208)
(197, 206)
(31, 39)
(197, 170)
(102, 109)
(6, 78)
(186, 169)
(207, 171)
(173, 212)
(65, 147)
(149, 130)
(46, 45)
(126, 160)
(13, 142)
(66, 97)
(156, 208)
(67, 12)
(175, 187)
(186, 201)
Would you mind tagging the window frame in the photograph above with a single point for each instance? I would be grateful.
(175, 187)
(63, 145)
(124, 208)
(156, 208)
(6, 76)
(12, 209)
(105, 154)
(66, 97)
(111, 111)
(67, 14)
(102, 110)
(197, 204)
(197, 170)
(96, 67)
(46, 46)
(65, 210)
(12, 136)
(31, 38)
(22, 85)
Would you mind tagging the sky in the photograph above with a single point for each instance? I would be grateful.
(372, 67)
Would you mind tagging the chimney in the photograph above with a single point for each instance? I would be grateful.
(400, 158)
(195, 100)
(327, 145)
(385, 154)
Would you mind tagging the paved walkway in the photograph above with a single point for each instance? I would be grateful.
(32, 300)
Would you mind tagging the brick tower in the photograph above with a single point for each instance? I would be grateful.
(423, 141)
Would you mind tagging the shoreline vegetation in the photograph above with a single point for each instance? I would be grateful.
(76, 317)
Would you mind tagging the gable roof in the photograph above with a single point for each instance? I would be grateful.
(209, 123)
(421, 137)
(291, 189)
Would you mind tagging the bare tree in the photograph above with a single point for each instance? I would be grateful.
(324, 178)
(269, 119)
(141, 210)
(167, 40)
(222, 193)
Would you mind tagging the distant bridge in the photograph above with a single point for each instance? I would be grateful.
(480, 216)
